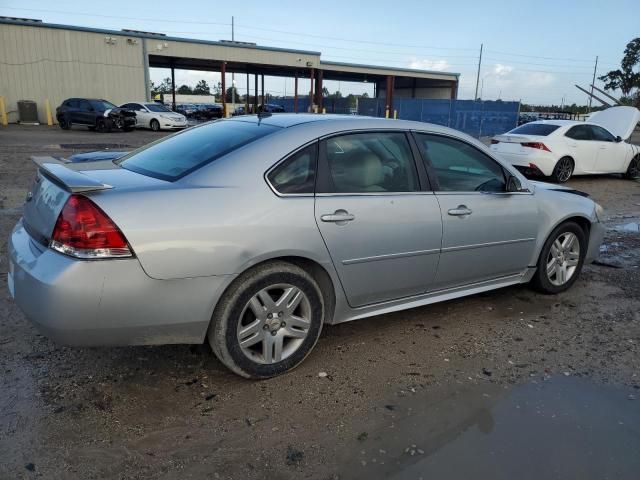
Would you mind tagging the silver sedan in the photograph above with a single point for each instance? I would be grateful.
(252, 233)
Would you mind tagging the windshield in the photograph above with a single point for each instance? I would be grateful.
(540, 129)
(157, 107)
(176, 156)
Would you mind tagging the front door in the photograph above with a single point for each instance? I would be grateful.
(611, 155)
(487, 232)
(382, 230)
(583, 150)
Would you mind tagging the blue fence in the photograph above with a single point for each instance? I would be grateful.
(476, 118)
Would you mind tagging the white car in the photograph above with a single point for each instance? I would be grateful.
(156, 116)
(561, 148)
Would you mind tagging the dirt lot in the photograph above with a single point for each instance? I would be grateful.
(507, 384)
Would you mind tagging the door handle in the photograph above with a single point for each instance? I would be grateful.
(461, 211)
(339, 217)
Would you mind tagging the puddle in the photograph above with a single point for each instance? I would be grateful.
(565, 427)
(628, 227)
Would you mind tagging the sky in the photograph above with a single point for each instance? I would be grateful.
(533, 51)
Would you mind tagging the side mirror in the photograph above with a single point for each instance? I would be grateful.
(513, 184)
(618, 139)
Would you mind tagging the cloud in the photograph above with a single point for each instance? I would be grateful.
(426, 64)
(500, 70)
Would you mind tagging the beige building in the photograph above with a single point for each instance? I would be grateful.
(40, 62)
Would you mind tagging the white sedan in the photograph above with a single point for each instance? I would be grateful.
(156, 116)
(561, 148)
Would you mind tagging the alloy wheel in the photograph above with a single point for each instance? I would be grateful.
(634, 168)
(565, 168)
(274, 323)
(563, 258)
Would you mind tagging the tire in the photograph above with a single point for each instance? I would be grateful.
(260, 290)
(154, 125)
(103, 125)
(633, 171)
(64, 123)
(548, 277)
(563, 170)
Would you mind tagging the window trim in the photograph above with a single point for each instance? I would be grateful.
(284, 159)
(433, 178)
(322, 174)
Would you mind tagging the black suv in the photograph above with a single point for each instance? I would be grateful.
(97, 114)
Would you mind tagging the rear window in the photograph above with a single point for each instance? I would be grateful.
(176, 156)
(540, 129)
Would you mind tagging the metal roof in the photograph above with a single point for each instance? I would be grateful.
(379, 67)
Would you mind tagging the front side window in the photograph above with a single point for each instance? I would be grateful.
(296, 174)
(85, 106)
(178, 155)
(579, 132)
(156, 107)
(460, 167)
(102, 105)
(601, 135)
(369, 163)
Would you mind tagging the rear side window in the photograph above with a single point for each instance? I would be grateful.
(540, 129)
(176, 156)
(369, 163)
(296, 174)
(579, 132)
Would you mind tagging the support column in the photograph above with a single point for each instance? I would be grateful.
(295, 94)
(223, 74)
(246, 100)
(387, 102)
(311, 75)
(393, 87)
(173, 88)
(262, 89)
(319, 101)
(255, 93)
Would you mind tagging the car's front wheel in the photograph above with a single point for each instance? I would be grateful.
(64, 123)
(103, 125)
(563, 170)
(561, 259)
(268, 320)
(633, 171)
(155, 125)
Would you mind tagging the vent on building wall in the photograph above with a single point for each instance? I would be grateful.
(25, 20)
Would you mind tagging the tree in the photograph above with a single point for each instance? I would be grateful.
(625, 78)
(325, 92)
(163, 87)
(336, 94)
(185, 90)
(202, 88)
(364, 95)
(229, 94)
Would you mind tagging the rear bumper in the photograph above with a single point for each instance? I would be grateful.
(538, 163)
(106, 302)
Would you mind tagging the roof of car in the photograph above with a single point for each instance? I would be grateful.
(562, 123)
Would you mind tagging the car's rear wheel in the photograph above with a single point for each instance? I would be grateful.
(64, 123)
(268, 320)
(633, 171)
(563, 170)
(561, 259)
(155, 125)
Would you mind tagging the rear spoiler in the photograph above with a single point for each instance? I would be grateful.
(70, 180)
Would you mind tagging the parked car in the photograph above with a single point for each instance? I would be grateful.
(561, 148)
(156, 116)
(186, 109)
(253, 232)
(97, 114)
(239, 111)
(270, 108)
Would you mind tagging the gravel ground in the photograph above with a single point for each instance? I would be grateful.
(176, 412)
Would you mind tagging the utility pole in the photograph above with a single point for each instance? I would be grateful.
(478, 77)
(233, 75)
(595, 67)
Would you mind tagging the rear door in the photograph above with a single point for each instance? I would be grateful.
(383, 230)
(583, 149)
(488, 233)
(85, 113)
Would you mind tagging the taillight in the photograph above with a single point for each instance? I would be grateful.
(538, 145)
(494, 141)
(83, 230)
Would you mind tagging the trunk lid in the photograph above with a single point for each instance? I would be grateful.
(55, 181)
(621, 121)
(513, 143)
